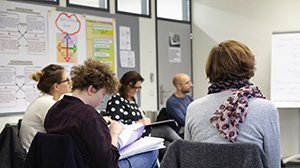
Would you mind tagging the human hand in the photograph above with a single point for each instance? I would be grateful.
(116, 127)
(115, 130)
(144, 120)
(107, 119)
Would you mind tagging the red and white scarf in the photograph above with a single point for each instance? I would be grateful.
(234, 110)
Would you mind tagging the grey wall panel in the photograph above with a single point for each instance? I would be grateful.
(166, 68)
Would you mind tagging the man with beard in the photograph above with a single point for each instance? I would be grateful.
(177, 104)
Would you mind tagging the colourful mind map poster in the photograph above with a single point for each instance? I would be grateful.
(100, 40)
(68, 26)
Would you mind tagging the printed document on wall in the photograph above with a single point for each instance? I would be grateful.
(174, 48)
(101, 40)
(127, 59)
(24, 49)
(125, 38)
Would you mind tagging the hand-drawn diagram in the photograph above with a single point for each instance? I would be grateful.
(67, 41)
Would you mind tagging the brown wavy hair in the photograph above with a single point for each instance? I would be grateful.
(129, 78)
(230, 60)
(95, 73)
(47, 77)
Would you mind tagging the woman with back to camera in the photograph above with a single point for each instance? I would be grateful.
(52, 82)
(234, 110)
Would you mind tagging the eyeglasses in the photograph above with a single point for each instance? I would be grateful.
(135, 88)
(67, 80)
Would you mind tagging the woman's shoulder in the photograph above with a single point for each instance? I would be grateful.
(117, 98)
(43, 101)
(263, 105)
(215, 98)
(89, 114)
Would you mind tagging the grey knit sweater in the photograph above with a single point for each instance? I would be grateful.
(261, 125)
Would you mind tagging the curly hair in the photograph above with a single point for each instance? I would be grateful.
(48, 76)
(94, 73)
(230, 60)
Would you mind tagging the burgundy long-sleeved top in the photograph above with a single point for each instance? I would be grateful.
(87, 128)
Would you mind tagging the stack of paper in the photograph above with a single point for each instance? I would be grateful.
(142, 145)
(130, 134)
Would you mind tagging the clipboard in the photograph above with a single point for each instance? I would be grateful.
(161, 122)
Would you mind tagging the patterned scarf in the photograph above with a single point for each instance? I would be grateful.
(234, 110)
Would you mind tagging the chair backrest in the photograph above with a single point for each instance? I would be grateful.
(187, 154)
(12, 153)
(53, 150)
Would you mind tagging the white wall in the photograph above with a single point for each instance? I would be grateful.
(11, 118)
(251, 22)
(148, 62)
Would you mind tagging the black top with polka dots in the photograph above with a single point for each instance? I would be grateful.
(124, 110)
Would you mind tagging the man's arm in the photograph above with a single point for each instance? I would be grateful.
(175, 111)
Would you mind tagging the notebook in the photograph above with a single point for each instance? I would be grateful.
(130, 134)
(160, 122)
(142, 145)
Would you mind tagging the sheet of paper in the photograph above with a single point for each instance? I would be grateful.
(125, 40)
(127, 59)
(142, 145)
(130, 134)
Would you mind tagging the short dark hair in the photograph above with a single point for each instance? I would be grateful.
(230, 60)
(47, 77)
(95, 73)
(129, 78)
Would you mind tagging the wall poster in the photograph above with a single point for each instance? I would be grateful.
(33, 36)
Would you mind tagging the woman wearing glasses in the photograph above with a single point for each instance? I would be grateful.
(52, 82)
(123, 107)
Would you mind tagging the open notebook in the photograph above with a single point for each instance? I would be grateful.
(130, 134)
(131, 143)
(142, 145)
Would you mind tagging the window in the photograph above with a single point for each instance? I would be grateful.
(102, 4)
(137, 7)
(173, 9)
(46, 1)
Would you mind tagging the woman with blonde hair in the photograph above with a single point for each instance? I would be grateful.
(52, 82)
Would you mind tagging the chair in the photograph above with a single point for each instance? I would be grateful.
(162, 115)
(53, 150)
(286, 160)
(12, 153)
(187, 154)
